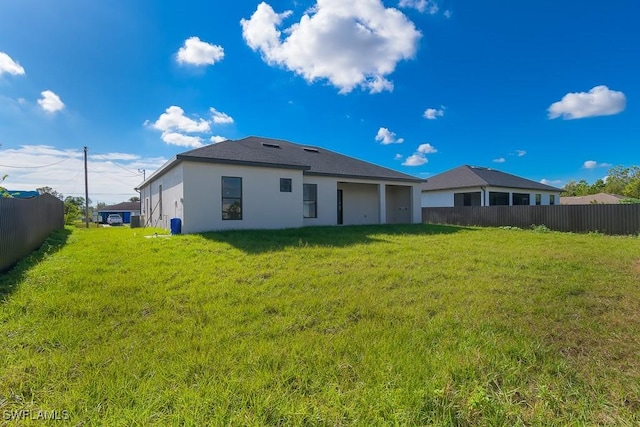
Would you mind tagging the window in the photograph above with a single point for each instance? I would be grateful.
(285, 185)
(552, 199)
(310, 200)
(520, 199)
(467, 199)
(497, 198)
(538, 199)
(231, 198)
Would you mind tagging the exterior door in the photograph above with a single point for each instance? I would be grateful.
(340, 216)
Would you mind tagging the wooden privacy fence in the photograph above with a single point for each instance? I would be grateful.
(25, 224)
(607, 219)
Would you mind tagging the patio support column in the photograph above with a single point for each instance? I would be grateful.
(382, 198)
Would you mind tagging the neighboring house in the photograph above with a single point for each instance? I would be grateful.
(260, 183)
(600, 198)
(478, 186)
(125, 209)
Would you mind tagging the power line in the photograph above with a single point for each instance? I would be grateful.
(120, 166)
(35, 167)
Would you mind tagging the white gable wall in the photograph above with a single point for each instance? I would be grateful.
(263, 205)
(172, 193)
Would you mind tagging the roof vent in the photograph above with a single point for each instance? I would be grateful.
(271, 145)
(311, 150)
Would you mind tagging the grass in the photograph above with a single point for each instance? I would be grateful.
(391, 325)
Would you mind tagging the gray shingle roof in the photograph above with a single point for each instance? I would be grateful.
(257, 151)
(600, 198)
(474, 176)
(124, 207)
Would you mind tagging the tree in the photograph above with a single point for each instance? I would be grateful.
(76, 200)
(73, 208)
(573, 188)
(134, 199)
(100, 205)
(49, 190)
(619, 177)
(3, 191)
(632, 189)
(598, 187)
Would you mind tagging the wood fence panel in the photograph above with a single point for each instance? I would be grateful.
(607, 219)
(25, 224)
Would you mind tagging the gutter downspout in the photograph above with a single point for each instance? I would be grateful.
(484, 196)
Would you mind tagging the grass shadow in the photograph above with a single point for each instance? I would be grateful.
(10, 278)
(260, 241)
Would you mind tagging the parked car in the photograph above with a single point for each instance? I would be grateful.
(114, 219)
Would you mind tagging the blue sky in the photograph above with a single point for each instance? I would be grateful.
(545, 90)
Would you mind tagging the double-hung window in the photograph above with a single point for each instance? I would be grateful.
(285, 185)
(310, 200)
(231, 198)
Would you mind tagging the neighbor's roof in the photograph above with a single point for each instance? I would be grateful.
(600, 198)
(266, 152)
(122, 207)
(473, 176)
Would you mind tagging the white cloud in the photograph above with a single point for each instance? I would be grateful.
(50, 102)
(115, 156)
(554, 183)
(416, 159)
(173, 119)
(499, 160)
(385, 136)
(521, 153)
(175, 125)
(398, 157)
(599, 101)
(220, 118)
(175, 138)
(62, 169)
(349, 43)
(9, 66)
(429, 6)
(448, 13)
(592, 164)
(197, 52)
(217, 138)
(427, 149)
(433, 113)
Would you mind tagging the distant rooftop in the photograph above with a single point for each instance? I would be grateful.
(600, 198)
(475, 176)
(122, 207)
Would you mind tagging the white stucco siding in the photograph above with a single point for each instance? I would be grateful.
(438, 199)
(263, 205)
(360, 203)
(416, 204)
(327, 204)
(155, 213)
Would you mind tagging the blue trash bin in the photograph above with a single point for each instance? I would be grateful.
(176, 226)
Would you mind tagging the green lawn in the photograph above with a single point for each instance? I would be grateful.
(404, 325)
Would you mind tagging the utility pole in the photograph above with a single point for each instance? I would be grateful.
(144, 174)
(86, 189)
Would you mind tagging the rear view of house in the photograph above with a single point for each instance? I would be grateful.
(260, 183)
(478, 186)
